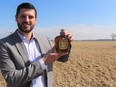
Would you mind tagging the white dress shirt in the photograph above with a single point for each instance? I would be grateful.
(34, 55)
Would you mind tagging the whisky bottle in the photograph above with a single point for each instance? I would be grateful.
(62, 43)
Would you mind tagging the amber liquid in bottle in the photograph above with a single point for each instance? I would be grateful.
(62, 43)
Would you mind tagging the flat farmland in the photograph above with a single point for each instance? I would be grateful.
(91, 64)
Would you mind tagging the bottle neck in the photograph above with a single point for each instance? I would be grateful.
(62, 34)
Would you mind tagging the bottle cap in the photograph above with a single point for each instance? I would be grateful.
(62, 32)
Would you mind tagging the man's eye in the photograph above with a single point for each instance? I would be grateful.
(30, 17)
(22, 16)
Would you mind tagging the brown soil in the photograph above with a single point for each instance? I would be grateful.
(92, 64)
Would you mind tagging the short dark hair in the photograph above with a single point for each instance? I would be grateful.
(27, 6)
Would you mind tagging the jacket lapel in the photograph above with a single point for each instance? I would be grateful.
(44, 47)
(41, 44)
(20, 46)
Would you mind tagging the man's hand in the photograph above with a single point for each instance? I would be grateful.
(69, 35)
(52, 56)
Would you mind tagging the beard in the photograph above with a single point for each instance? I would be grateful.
(22, 29)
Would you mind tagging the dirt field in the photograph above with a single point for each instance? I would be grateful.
(92, 64)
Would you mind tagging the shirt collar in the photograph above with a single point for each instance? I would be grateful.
(23, 38)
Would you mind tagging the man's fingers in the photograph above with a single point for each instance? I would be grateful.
(69, 35)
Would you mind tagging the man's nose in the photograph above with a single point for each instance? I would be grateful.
(27, 18)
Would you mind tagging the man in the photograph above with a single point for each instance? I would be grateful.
(26, 58)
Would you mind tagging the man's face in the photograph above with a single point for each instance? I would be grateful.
(26, 20)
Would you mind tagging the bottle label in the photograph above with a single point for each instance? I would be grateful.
(63, 44)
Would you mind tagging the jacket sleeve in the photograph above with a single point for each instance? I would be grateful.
(16, 76)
